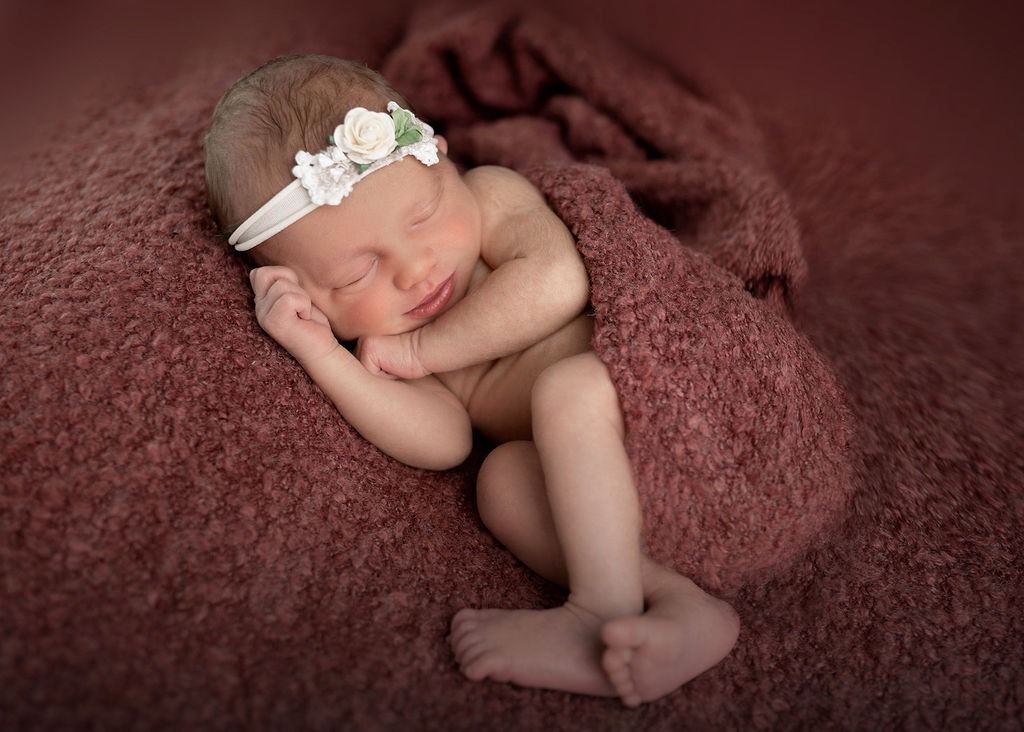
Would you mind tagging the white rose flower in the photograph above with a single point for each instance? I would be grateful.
(366, 136)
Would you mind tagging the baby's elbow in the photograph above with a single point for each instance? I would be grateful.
(452, 455)
(448, 451)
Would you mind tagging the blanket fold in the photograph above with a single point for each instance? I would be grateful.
(516, 90)
(736, 427)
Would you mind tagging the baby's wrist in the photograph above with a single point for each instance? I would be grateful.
(414, 344)
(312, 359)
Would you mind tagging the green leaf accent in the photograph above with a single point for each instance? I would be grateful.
(363, 167)
(330, 139)
(403, 120)
(408, 137)
(405, 132)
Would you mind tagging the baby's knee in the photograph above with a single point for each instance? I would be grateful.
(496, 467)
(498, 481)
(580, 380)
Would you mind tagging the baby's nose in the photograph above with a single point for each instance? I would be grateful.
(415, 268)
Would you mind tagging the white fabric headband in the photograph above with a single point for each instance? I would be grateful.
(365, 142)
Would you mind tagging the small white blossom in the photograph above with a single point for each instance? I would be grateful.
(326, 180)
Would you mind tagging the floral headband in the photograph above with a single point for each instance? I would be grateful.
(365, 142)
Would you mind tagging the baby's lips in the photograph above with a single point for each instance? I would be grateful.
(435, 301)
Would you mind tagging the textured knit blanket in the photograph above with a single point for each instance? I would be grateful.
(736, 428)
(192, 538)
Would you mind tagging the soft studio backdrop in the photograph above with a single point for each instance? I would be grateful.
(931, 83)
(191, 538)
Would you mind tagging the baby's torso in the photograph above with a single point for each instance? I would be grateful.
(497, 393)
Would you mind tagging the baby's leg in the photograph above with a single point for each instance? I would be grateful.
(514, 506)
(587, 535)
(554, 648)
(683, 632)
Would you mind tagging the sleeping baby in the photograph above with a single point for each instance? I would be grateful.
(466, 298)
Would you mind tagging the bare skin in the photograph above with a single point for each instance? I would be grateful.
(682, 632)
(469, 300)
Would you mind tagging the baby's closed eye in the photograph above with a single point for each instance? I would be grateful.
(360, 271)
(427, 208)
(424, 215)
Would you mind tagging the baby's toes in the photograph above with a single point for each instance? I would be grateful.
(616, 665)
(463, 623)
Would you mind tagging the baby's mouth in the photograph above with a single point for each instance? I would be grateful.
(435, 301)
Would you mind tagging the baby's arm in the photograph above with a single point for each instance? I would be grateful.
(419, 422)
(538, 285)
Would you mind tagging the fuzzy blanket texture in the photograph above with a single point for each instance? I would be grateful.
(820, 365)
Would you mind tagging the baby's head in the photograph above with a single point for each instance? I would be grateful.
(316, 164)
(289, 104)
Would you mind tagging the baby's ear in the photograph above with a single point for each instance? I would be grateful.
(442, 144)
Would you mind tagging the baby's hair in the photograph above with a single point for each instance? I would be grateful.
(289, 104)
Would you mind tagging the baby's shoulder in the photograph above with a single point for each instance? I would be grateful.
(499, 188)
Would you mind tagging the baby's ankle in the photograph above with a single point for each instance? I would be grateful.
(596, 609)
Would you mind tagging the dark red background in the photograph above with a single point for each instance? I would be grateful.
(936, 84)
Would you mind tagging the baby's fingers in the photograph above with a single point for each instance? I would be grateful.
(263, 278)
(283, 302)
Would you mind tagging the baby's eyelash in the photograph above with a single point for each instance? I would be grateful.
(365, 273)
(428, 211)
(424, 217)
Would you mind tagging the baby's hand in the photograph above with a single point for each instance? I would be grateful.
(286, 312)
(391, 356)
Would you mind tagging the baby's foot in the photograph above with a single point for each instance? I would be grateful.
(684, 632)
(551, 649)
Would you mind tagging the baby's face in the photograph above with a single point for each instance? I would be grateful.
(394, 255)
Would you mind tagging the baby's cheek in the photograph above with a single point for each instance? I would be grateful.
(366, 316)
(463, 230)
